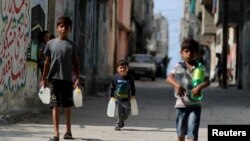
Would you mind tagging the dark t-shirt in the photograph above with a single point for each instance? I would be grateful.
(41, 47)
(122, 86)
(62, 54)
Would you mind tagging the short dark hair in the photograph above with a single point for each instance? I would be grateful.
(218, 55)
(121, 63)
(190, 44)
(41, 35)
(64, 20)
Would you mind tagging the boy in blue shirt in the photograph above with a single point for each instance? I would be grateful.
(122, 88)
(188, 111)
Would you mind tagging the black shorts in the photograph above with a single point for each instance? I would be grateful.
(61, 93)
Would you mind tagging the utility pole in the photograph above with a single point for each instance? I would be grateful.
(225, 44)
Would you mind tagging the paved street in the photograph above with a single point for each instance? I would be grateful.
(156, 120)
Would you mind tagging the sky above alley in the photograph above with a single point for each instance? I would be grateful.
(173, 11)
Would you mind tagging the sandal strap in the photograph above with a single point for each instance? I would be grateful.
(67, 136)
(54, 139)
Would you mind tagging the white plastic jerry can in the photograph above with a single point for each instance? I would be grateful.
(77, 97)
(44, 95)
(111, 107)
(134, 107)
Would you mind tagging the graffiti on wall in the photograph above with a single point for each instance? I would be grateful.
(14, 40)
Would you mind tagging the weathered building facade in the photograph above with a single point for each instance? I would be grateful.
(214, 28)
(141, 24)
(124, 28)
(94, 36)
(158, 44)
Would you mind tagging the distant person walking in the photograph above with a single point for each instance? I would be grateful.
(61, 57)
(218, 68)
(188, 111)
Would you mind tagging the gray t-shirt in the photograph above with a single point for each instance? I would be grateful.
(62, 54)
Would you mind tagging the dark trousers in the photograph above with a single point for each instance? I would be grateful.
(123, 109)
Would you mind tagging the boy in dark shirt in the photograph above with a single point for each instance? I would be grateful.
(122, 88)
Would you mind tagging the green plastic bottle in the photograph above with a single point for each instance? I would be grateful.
(198, 78)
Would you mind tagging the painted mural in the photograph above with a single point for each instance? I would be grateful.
(14, 41)
(20, 23)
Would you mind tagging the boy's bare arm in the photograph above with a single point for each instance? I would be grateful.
(132, 88)
(203, 85)
(179, 89)
(76, 65)
(45, 72)
(171, 81)
(112, 89)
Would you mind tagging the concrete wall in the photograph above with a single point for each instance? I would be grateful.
(232, 51)
(96, 39)
(122, 47)
(246, 46)
(65, 8)
(103, 36)
(112, 37)
(123, 18)
(105, 53)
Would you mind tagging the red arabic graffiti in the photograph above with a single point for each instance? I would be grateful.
(14, 40)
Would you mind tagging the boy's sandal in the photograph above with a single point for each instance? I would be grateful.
(54, 139)
(117, 128)
(67, 136)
